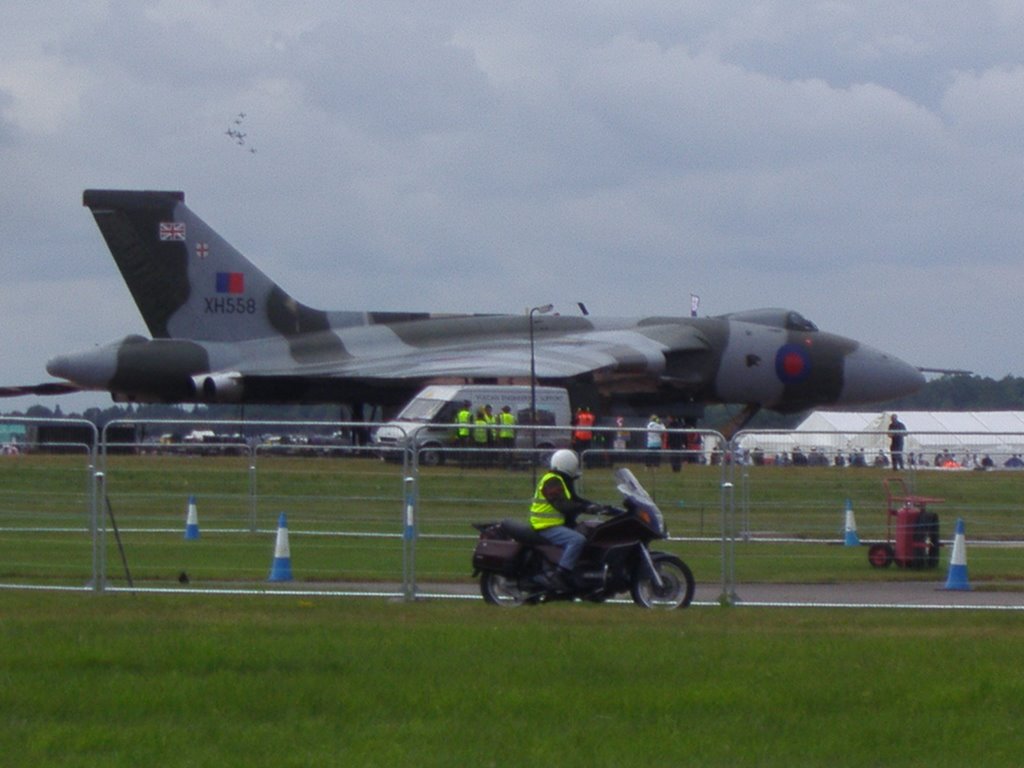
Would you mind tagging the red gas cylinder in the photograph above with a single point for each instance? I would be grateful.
(906, 527)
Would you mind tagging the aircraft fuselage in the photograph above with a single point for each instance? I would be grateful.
(223, 331)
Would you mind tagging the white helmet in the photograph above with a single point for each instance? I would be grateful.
(566, 462)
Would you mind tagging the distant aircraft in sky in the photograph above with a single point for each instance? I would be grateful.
(222, 331)
(236, 134)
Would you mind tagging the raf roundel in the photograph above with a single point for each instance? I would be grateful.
(792, 364)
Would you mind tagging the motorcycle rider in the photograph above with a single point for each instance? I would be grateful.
(554, 510)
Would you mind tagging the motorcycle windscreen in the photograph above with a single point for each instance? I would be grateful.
(631, 488)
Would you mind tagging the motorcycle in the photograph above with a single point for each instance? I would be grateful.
(516, 564)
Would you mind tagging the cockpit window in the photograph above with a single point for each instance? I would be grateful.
(797, 322)
(786, 319)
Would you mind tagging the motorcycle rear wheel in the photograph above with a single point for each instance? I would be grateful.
(501, 590)
(677, 585)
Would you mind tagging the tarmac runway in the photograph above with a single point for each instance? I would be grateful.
(926, 595)
(895, 594)
(906, 594)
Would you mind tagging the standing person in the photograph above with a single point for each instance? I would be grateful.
(694, 442)
(482, 425)
(584, 433)
(464, 419)
(897, 433)
(655, 435)
(507, 432)
(481, 432)
(492, 420)
(554, 510)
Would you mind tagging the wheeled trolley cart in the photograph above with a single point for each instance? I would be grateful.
(912, 530)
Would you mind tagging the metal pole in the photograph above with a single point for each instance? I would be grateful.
(99, 527)
(253, 498)
(99, 543)
(543, 309)
(409, 537)
(728, 595)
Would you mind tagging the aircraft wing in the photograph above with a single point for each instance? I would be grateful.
(566, 356)
(49, 388)
(391, 377)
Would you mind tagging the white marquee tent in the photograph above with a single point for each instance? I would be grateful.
(966, 435)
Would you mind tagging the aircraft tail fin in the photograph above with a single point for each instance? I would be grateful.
(187, 281)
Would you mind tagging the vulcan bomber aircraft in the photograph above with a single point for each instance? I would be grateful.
(223, 331)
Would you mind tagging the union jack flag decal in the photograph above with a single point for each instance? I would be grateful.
(172, 230)
(230, 282)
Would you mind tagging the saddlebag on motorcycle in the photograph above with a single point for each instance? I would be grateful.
(500, 545)
(496, 550)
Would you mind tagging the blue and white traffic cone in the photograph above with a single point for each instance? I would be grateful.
(281, 570)
(957, 578)
(850, 537)
(191, 520)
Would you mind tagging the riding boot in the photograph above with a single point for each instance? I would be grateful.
(562, 580)
(545, 582)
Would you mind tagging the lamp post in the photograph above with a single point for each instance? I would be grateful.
(541, 310)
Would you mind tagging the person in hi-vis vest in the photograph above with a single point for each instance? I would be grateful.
(554, 510)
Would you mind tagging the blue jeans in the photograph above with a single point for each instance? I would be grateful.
(572, 541)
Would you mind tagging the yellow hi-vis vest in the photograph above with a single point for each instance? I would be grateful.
(482, 428)
(542, 514)
(464, 418)
(507, 420)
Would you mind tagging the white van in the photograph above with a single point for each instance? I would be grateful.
(439, 404)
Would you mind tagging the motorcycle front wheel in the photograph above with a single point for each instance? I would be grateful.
(501, 590)
(676, 589)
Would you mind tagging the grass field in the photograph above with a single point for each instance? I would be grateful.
(282, 680)
(122, 680)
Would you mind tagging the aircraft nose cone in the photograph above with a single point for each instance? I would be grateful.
(871, 376)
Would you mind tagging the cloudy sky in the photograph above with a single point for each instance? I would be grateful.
(861, 162)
